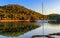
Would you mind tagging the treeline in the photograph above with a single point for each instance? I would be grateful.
(53, 18)
(18, 12)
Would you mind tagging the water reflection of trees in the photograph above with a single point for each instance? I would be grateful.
(16, 28)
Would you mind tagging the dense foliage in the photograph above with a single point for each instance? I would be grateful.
(54, 18)
(18, 12)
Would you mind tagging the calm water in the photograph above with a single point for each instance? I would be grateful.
(45, 28)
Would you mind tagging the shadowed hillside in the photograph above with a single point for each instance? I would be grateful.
(54, 18)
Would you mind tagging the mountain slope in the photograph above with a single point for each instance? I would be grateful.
(18, 12)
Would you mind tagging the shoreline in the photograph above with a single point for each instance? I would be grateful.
(14, 20)
(17, 20)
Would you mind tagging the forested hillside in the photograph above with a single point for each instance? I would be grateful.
(53, 17)
(18, 12)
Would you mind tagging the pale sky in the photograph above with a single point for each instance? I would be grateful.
(50, 6)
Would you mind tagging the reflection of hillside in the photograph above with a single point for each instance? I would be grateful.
(16, 28)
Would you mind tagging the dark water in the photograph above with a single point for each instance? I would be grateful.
(44, 29)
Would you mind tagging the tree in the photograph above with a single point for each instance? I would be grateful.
(11, 16)
(1, 16)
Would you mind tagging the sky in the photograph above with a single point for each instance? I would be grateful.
(49, 6)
